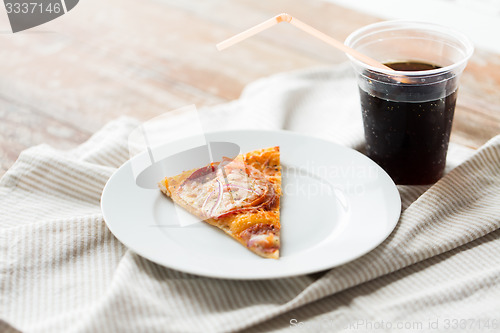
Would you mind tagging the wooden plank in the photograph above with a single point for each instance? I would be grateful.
(477, 115)
(240, 15)
(142, 58)
(121, 58)
(22, 127)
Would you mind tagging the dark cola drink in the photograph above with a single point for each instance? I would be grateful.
(406, 137)
(408, 108)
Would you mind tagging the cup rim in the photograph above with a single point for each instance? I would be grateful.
(460, 37)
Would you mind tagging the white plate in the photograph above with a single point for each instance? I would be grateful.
(337, 205)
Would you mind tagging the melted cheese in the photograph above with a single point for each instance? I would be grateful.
(244, 222)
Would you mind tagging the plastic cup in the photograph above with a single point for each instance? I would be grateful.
(408, 114)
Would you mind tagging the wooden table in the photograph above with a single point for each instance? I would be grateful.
(62, 81)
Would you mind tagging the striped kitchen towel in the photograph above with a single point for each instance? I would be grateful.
(61, 270)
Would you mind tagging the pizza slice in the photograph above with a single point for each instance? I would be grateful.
(241, 196)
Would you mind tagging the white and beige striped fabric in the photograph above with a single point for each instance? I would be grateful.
(61, 270)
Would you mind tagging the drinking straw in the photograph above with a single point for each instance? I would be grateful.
(304, 27)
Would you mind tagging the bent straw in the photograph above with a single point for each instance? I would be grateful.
(304, 27)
